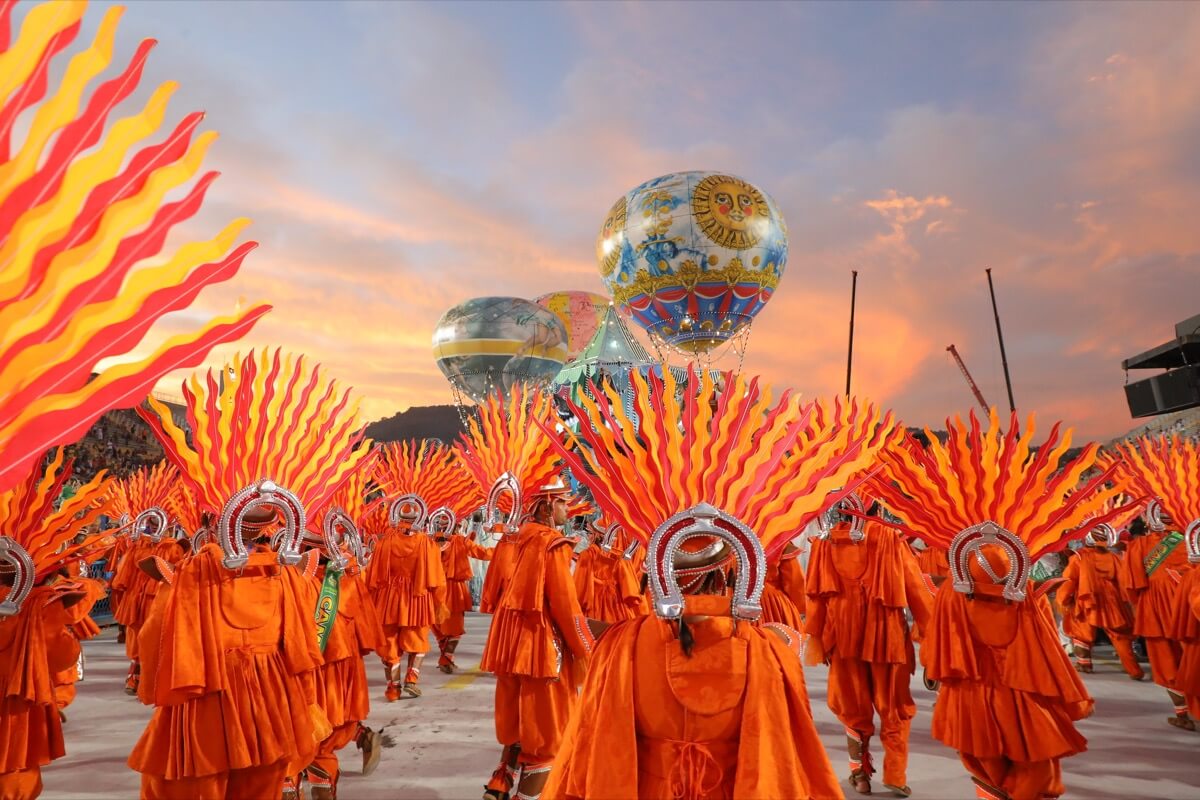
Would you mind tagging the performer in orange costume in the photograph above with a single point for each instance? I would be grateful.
(506, 454)
(348, 629)
(1165, 469)
(862, 578)
(537, 648)
(1090, 599)
(235, 708)
(1009, 695)
(407, 579)
(606, 581)
(37, 609)
(456, 554)
(81, 626)
(932, 561)
(1186, 625)
(698, 700)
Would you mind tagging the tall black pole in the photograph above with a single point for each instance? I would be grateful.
(850, 347)
(1012, 406)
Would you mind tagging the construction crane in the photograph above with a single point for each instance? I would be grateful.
(970, 381)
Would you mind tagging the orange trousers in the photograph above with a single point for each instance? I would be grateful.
(1122, 643)
(402, 640)
(326, 759)
(1034, 780)
(24, 784)
(239, 784)
(533, 712)
(1165, 655)
(858, 690)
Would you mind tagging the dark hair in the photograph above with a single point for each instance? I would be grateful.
(1137, 527)
(873, 511)
(686, 640)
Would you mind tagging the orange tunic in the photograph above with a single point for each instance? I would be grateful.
(499, 572)
(408, 586)
(230, 680)
(1090, 592)
(1185, 628)
(34, 644)
(538, 645)
(608, 586)
(128, 579)
(783, 599)
(341, 682)
(82, 627)
(457, 551)
(1154, 597)
(1009, 695)
(730, 721)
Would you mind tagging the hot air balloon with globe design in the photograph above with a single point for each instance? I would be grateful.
(693, 257)
(489, 344)
(581, 314)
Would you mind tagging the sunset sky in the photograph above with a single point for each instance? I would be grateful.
(399, 158)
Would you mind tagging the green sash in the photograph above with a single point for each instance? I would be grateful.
(327, 605)
(1161, 550)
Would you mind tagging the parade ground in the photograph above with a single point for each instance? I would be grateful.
(445, 747)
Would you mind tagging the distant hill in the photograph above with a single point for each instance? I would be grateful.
(419, 422)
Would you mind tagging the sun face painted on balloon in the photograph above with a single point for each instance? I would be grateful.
(612, 234)
(730, 211)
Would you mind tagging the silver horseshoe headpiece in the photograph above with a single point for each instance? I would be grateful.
(263, 493)
(1108, 535)
(201, 538)
(1191, 537)
(141, 524)
(505, 484)
(12, 553)
(705, 520)
(396, 510)
(829, 519)
(1153, 515)
(610, 536)
(970, 541)
(444, 515)
(339, 529)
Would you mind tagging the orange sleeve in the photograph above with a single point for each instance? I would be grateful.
(791, 579)
(1066, 590)
(479, 552)
(916, 592)
(563, 603)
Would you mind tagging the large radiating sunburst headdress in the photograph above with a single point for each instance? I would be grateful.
(984, 487)
(266, 430)
(82, 226)
(510, 450)
(420, 478)
(343, 519)
(35, 527)
(732, 465)
(1167, 470)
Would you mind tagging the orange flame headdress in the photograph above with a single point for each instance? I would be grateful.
(1167, 470)
(33, 533)
(344, 517)
(505, 441)
(144, 495)
(987, 487)
(76, 231)
(429, 477)
(729, 464)
(276, 432)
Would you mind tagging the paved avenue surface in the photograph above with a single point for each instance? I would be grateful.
(445, 746)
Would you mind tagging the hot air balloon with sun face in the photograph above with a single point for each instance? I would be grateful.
(493, 343)
(692, 257)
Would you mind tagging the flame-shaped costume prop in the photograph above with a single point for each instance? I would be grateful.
(1166, 469)
(774, 466)
(984, 475)
(263, 417)
(147, 488)
(33, 533)
(432, 472)
(81, 212)
(511, 437)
